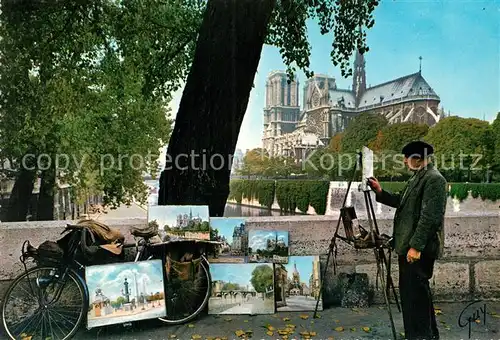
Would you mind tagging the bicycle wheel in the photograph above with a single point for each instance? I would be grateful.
(185, 296)
(39, 304)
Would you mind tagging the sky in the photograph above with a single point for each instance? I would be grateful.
(457, 40)
(304, 267)
(225, 226)
(234, 273)
(167, 214)
(110, 278)
(257, 239)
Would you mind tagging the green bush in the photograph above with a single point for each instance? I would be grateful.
(300, 194)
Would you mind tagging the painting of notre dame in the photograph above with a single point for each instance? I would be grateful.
(125, 292)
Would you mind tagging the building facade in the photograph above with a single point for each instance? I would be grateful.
(327, 110)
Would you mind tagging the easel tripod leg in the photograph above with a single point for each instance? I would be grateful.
(321, 281)
(386, 297)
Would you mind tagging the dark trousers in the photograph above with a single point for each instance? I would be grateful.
(416, 299)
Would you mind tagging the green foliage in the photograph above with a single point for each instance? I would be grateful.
(292, 194)
(362, 130)
(346, 19)
(396, 136)
(262, 278)
(461, 146)
(91, 81)
(256, 162)
(262, 190)
(485, 191)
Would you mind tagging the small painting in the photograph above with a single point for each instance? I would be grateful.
(297, 284)
(180, 221)
(267, 246)
(125, 292)
(242, 288)
(232, 240)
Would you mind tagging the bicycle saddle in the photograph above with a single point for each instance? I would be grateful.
(144, 232)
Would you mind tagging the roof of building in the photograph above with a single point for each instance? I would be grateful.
(338, 95)
(400, 88)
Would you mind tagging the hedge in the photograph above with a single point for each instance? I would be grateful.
(300, 194)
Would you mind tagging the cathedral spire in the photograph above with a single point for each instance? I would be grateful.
(359, 77)
(420, 65)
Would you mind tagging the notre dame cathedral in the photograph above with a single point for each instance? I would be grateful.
(290, 131)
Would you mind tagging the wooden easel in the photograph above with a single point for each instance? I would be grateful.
(366, 240)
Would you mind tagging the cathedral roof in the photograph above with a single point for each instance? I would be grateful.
(338, 94)
(412, 85)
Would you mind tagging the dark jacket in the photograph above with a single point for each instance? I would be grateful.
(419, 217)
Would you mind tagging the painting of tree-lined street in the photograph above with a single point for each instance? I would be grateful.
(242, 289)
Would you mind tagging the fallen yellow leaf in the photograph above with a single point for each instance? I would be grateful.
(27, 337)
(496, 316)
(366, 329)
(270, 328)
(339, 329)
(196, 336)
(312, 333)
(290, 326)
(353, 329)
(447, 328)
(317, 316)
(190, 325)
(286, 319)
(173, 336)
(239, 333)
(304, 317)
(337, 321)
(228, 319)
(269, 333)
(282, 332)
(437, 311)
(331, 338)
(249, 331)
(477, 321)
(312, 322)
(245, 320)
(304, 333)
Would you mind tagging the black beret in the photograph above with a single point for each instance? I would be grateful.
(418, 149)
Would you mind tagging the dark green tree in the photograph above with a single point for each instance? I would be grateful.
(231, 37)
(262, 278)
(462, 146)
(362, 130)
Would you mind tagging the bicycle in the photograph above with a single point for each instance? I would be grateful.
(57, 294)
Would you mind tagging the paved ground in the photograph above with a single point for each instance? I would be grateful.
(297, 303)
(335, 323)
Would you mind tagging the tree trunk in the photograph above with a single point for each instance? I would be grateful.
(214, 102)
(45, 206)
(20, 197)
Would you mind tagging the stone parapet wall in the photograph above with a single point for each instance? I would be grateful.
(469, 269)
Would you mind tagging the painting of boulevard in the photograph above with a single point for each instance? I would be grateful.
(125, 292)
(267, 246)
(232, 238)
(297, 284)
(242, 289)
(181, 221)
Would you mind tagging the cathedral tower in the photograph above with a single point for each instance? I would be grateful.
(359, 77)
(282, 111)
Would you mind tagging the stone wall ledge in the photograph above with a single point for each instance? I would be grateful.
(470, 267)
